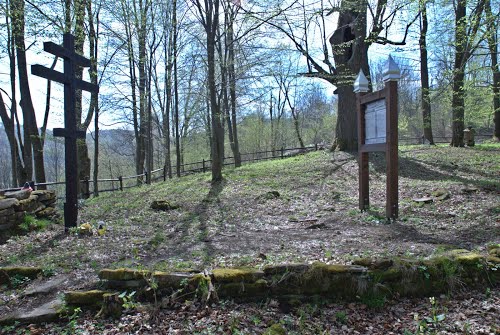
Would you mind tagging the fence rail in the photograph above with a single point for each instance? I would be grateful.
(123, 182)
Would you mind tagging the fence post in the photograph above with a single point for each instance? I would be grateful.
(120, 179)
(282, 152)
(316, 147)
(147, 176)
(203, 165)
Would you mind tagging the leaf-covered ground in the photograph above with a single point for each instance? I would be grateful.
(299, 209)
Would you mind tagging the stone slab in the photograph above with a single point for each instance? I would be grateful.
(45, 195)
(19, 195)
(47, 287)
(47, 312)
(7, 203)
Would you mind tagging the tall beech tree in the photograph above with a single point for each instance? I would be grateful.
(208, 14)
(33, 143)
(492, 38)
(425, 100)
(466, 41)
(349, 44)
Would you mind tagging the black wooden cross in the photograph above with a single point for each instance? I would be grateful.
(70, 131)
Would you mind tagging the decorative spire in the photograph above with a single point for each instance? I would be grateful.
(361, 83)
(391, 71)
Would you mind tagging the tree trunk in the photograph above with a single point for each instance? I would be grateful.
(457, 102)
(168, 49)
(94, 97)
(176, 91)
(350, 53)
(235, 147)
(424, 75)
(31, 135)
(209, 13)
(495, 68)
(142, 35)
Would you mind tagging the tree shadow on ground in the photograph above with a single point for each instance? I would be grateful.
(466, 238)
(415, 169)
(202, 234)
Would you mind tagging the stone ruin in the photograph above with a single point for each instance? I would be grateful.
(14, 206)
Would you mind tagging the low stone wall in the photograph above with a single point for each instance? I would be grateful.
(366, 279)
(15, 205)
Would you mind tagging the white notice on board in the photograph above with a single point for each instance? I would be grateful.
(375, 122)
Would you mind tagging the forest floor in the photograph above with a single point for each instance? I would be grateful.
(298, 209)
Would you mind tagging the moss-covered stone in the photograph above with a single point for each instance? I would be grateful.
(281, 269)
(22, 271)
(493, 259)
(494, 252)
(163, 205)
(172, 281)
(374, 264)
(276, 329)
(257, 289)
(470, 258)
(389, 275)
(123, 274)
(92, 298)
(236, 275)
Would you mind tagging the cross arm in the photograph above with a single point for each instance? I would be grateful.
(63, 132)
(60, 51)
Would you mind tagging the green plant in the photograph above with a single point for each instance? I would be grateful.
(341, 317)
(17, 280)
(9, 328)
(31, 223)
(423, 270)
(70, 328)
(374, 300)
(128, 301)
(435, 317)
(48, 270)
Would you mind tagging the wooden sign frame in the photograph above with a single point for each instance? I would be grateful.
(390, 94)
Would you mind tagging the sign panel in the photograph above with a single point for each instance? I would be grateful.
(375, 122)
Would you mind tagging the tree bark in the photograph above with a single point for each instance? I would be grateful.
(168, 50)
(495, 68)
(424, 75)
(31, 135)
(350, 52)
(176, 91)
(209, 16)
(457, 102)
(231, 72)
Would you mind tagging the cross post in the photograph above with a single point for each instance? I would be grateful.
(70, 132)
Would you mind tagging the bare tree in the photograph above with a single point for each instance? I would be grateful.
(208, 12)
(424, 75)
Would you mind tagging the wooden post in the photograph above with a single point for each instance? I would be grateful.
(120, 179)
(203, 165)
(376, 111)
(282, 152)
(391, 77)
(146, 175)
(361, 88)
(69, 132)
(164, 173)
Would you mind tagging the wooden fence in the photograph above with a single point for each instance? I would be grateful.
(120, 183)
(123, 182)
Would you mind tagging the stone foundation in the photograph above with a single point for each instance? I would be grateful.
(15, 205)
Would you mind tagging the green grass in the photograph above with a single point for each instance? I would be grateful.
(31, 223)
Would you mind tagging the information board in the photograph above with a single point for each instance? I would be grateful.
(375, 122)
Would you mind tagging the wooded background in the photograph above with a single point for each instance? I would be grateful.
(185, 80)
